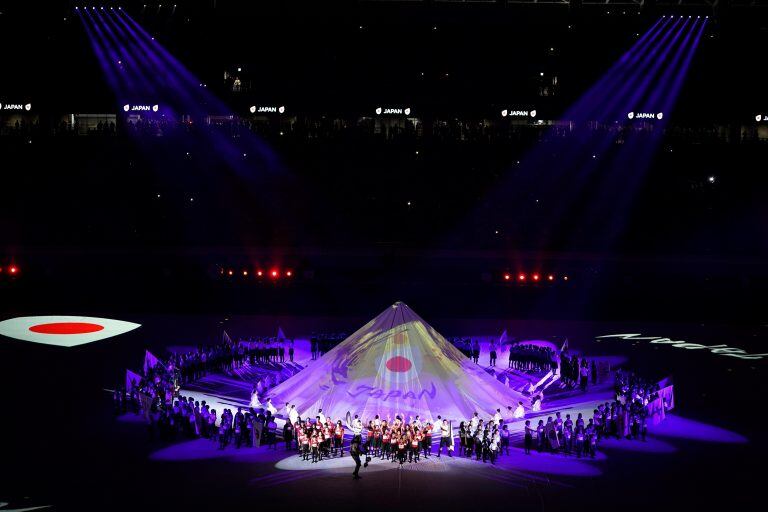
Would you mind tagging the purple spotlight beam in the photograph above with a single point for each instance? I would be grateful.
(618, 191)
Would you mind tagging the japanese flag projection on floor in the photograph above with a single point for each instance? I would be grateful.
(64, 331)
(395, 364)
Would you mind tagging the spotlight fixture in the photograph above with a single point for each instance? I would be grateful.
(550, 277)
(535, 277)
(521, 277)
(289, 273)
(507, 277)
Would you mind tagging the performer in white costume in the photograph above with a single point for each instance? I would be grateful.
(536, 405)
(474, 422)
(255, 403)
(519, 411)
(292, 413)
(497, 417)
(271, 408)
(355, 425)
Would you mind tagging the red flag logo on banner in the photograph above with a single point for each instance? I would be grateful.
(64, 331)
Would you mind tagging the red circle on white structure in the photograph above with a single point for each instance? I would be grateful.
(399, 364)
(66, 328)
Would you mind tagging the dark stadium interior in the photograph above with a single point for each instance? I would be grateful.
(151, 222)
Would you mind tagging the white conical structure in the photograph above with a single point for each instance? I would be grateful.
(395, 364)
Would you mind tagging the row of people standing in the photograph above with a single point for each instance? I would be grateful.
(269, 350)
(531, 358)
(577, 372)
(320, 343)
(578, 437)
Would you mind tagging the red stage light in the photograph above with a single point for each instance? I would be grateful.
(289, 273)
(245, 272)
(13, 269)
(565, 278)
(507, 277)
(521, 277)
(551, 277)
(274, 273)
(229, 272)
(535, 277)
(259, 273)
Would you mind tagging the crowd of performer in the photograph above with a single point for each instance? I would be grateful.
(320, 343)
(195, 419)
(579, 436)
(577, 372)
(483, 440)
(162, 379)
(630, 387)
(531, 358)
(265, 349)
(397, 440)
(196, 364)
(170, 415)
(523, 357)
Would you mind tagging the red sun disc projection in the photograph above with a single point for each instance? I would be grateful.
(66, 328)
(398, 364)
